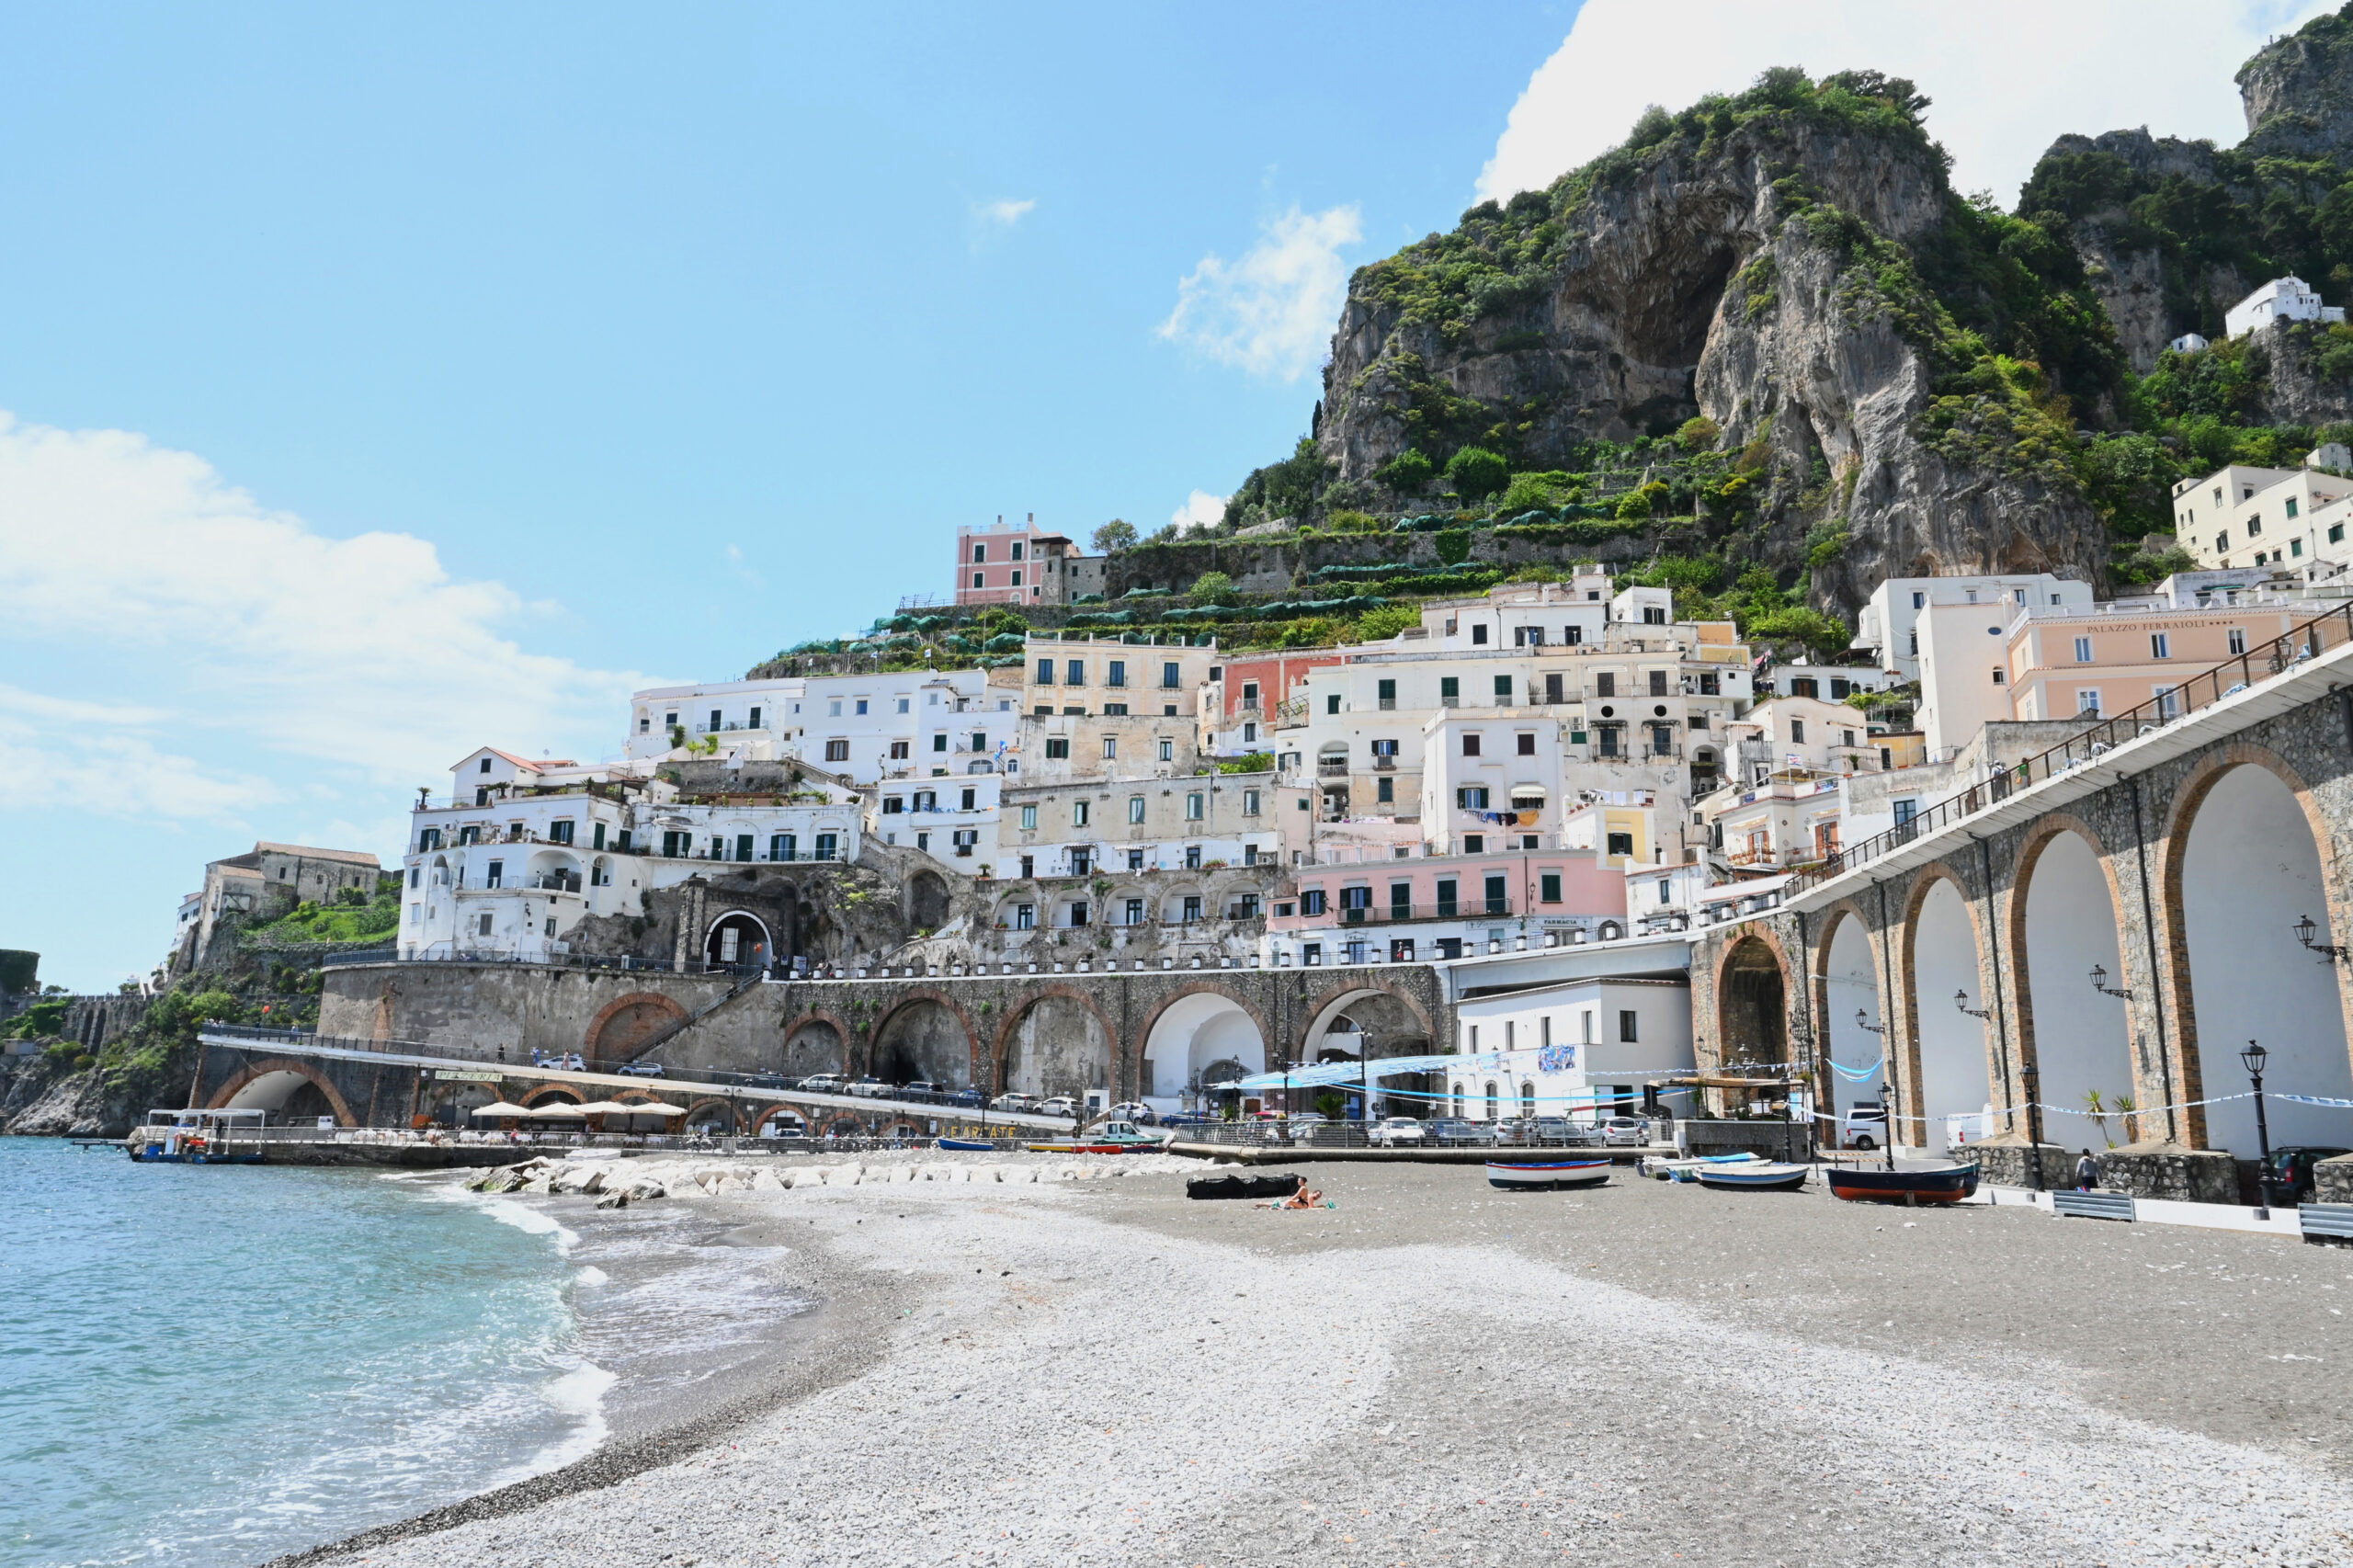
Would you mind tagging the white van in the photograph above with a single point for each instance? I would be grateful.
(1864, 1126)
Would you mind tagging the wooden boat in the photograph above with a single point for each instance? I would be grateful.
(1544, 1176)
(1664, 1168)
(1944, 1184)
(1111, 1138)
(970, 1145)
(1757, 1176)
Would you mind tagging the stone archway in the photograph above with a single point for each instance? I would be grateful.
(736, 939)
(274, 1084)
(1752, 988)
(928, 901)
(2064, 917)
(1057, 1041)
(926, 1035)
(623, 1026)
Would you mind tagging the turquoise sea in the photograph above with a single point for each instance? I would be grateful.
(213, 1365)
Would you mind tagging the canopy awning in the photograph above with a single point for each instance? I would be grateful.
(500, 1108)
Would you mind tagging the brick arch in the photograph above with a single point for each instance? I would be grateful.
(1762, 933)
(2171, 847)
(733, 1120)
(319, 1081)
(841, 1026)
(2039, 836)
(632, 1018)
(780, 1108)
(1835, 915)
(1015, 1012)
(1134, 1049)
(864, 1047)
(1907, 986)
(1311, 1009)
(547, 1091)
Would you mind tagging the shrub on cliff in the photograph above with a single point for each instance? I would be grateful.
(1477, 473)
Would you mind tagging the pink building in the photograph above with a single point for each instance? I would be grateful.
(1252, 695)
(1013, 563)
(1444, 905)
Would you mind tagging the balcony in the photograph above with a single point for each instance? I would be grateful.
(1330, 768)
(1472, 908)
(1382, 763)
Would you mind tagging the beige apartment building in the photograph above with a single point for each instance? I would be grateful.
(2290, 518)
(2064, 664)
(1073, 675)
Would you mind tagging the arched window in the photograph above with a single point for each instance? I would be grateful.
(1528, 1099)
(1458, 1099)
(1492, 1101)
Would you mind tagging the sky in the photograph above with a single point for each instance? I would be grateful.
(376, 383)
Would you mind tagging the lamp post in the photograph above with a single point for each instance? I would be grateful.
(2031, 1077)
(1960, 1000)
(2252, 1058)
(2099, 983)
(2305, 930)
(1886, 1092)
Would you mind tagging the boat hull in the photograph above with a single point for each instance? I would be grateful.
(1544, 1175)
(1760, 1177)
(184, 1157)
(1952, 1184)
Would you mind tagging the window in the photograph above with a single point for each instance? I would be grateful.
(2221, 544)
(1446, 897)
(1017, 550)
(1135, 807)
(782, 845)
(940, 741)
(2168, 700)
(497, 875)
(1497, 893)
(2291, 505)
(1478, 634)
(1472, 798)
(1024, 916)
(1524, 744)
(1168, 675)
(978, 578)
(2001, 676)
(675, 845)
(1192, 857)
(1605, 683)
(1450, 691)
(1249, 802)
(1310, 901)
(2160, 645)
(1654, 615)
(1797, 731)
(2336, 533)
(1548, 888)
(899, 750)
(2295, 547)
(1192, 908)
(892, 805)
(1073, 672)
(1572, 635)
(1627, 1031)
(486, 765)
(1029, 819)
(1115, 673)
(980, 556)
(743, 847)
(1057, 748)
(1919, 601)
(1474, 844)
(861, 708)
(966, 799)
(2253, 526)
(1620, 844)
(1384, 789)
(484, 928)
(1906, 810)
(1471, 744)
(2083, 650)
(1502, 691)
(1110, 745)
(1658, 683)
(2087, 701)
(1017, 577)
(837, 751)
(1401, 901)
(1135, 911)
(2238, 639)
(1045, 672)
(1078, 813)
(1193, 804)
(1388, 689)
(1168, 751)
(1331, 703)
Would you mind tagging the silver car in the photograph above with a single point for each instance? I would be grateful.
(1625, 1133)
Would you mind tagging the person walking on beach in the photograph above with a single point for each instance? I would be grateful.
(2086, 1172)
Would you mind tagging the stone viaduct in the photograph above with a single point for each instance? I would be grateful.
(2121, 927)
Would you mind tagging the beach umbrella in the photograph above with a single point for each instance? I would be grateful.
(554, 1110)
(500, 1108)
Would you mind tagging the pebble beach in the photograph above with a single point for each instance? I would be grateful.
(1031, 1359)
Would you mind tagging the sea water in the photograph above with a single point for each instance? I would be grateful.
(211, 1365)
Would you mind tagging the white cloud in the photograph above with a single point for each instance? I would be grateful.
(1005, 214)
(2006, 76)
(1270, 312)
(1201, 510)
(256, 645)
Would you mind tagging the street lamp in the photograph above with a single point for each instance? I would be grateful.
(1862, 1022)
(2099, 983)
(2031, 1077)
(2305, 930)
(2252, 1058)
(1960, 1000)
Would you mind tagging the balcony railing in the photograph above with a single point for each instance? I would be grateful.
(2298, 645)
(1476, 908)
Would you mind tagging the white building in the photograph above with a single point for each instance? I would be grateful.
(1833, 683)
(2282, 299)
(1889, 621)
(1581, 1049)
(917, 724)
(1964, 671)
(2288, 519)
(955, 819)
(2188, 343)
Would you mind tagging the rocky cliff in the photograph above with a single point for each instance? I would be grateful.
(1754, 262)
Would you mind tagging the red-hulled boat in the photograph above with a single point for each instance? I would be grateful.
(1945, 1183)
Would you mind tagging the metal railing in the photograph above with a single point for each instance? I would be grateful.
(1358, 1134)
(2298, 645)
(1467, 908)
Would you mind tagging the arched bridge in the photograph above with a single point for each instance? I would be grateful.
(2114, 921)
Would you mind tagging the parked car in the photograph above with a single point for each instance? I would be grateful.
(1305, 1124)
(1625, 1133)
(820, 1084)
(641, 1070)
(1013, 1102)
(1557, 1129)
(970, 1097)
(1513, 1128)
(1060, 1104)
(869, 1086)
(1864, 1126)
(921, 1089)
(1391, 1131)
(1455, 1129)
(2292, 1168)
(1135, 1111)
(764, 1080)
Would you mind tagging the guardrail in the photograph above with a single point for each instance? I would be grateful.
(1357, 1135)
(2298, 645)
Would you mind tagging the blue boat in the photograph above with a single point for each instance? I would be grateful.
(1544, 1175)
(970, 1145)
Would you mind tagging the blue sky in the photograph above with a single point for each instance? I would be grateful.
(379, 385)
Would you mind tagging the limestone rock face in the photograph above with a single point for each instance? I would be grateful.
(2298, 93)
